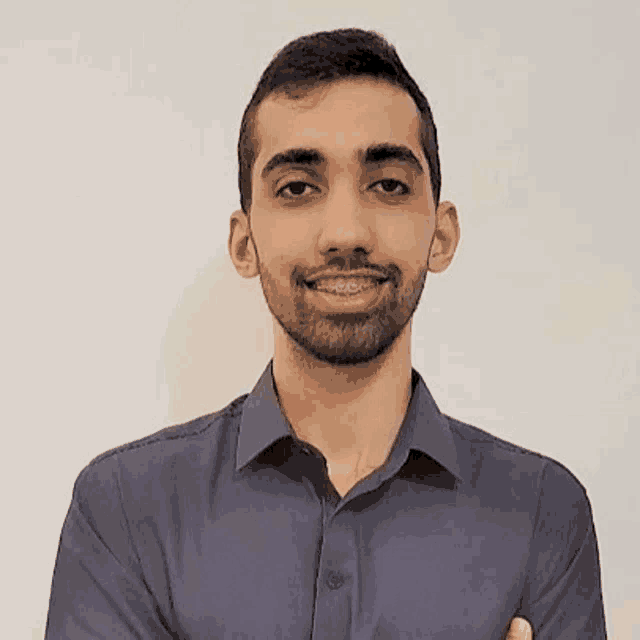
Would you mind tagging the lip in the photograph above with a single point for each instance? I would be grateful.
(356, 273)
(328, 302)
(313, 285)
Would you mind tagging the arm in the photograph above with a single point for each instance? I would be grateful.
(563, 593)
(98, 589)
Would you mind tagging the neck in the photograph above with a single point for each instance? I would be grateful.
(351, 414)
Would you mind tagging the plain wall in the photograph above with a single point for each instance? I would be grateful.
(121, 311)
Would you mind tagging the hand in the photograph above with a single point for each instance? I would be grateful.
(520, 629)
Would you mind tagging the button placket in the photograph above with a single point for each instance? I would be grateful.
(337, 576)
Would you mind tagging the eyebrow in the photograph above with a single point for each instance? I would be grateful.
(291, 157)
(381, 154)
(373, 157)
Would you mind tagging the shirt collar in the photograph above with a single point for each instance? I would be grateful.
(424, 428)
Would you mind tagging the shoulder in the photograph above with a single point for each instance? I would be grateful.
(487, 459)
(189, 444)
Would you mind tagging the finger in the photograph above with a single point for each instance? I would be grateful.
(520, 629)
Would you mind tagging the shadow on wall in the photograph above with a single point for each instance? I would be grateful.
(217, 342)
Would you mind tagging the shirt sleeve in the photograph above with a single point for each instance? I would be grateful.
(98, 588)
(563, 593)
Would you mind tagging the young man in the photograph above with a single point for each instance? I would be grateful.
(335, 500)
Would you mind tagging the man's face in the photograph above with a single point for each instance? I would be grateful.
(358, 198)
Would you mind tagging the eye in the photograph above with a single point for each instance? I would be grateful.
(296, 189)
(390, 187)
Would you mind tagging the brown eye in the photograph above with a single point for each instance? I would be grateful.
(392, 187)
(294, 190)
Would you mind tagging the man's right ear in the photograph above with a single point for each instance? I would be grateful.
(241, 246)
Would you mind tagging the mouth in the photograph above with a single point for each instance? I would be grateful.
(344, 285)
(340, 295)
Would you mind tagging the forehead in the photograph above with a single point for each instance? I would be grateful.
(338, 119)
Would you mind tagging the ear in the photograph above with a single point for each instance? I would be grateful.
(241, 246)
(445, 237)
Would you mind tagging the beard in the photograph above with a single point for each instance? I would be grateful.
(342, 338)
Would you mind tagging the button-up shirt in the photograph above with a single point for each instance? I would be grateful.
(229, 527)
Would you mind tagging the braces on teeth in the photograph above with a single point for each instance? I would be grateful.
(342, 288)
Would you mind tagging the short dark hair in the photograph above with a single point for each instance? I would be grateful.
(322, 57)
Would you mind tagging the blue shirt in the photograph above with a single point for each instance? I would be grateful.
(229, 527)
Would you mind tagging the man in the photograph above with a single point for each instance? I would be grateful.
(335, 500)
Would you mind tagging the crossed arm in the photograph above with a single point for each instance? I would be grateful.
(561, 594)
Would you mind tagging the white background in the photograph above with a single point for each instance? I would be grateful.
(122, 314)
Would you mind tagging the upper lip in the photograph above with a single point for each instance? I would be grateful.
(356, 273)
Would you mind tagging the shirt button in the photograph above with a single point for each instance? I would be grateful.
(335, 580)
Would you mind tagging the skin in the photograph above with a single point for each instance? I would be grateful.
(520, 629)
(344, 379)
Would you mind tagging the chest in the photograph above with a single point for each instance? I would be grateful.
(353, 574)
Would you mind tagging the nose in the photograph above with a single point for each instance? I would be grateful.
(346, 224)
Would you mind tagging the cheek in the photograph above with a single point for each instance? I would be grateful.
(406, 240)
(282, 243)
(280, 231)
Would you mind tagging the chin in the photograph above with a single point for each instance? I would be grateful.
(346, 358)
(343, 345)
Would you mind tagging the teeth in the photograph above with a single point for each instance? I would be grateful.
(345, 286)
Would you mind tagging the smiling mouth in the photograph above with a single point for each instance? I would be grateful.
(344, 285)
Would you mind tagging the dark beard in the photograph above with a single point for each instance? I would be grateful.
(343, 339)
